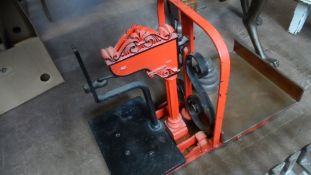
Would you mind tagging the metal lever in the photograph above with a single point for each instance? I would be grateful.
(99, 83)
(91, 86)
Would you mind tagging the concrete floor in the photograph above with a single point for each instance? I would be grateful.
(50, 135)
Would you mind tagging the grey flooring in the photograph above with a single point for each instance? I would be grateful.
(49, 135)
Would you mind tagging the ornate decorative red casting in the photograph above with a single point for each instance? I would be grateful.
(163, 72)
(136, 40)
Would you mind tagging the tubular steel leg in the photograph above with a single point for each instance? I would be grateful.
(46, 10)
(245, 7)
(250, 15)
(249, 18)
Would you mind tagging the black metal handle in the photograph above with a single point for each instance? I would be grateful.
(98, 83)
(86, 74)
(147, 95)
(92, 86)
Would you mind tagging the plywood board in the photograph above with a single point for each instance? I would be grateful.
(26, 71)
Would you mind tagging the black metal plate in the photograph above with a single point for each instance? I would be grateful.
(128, 144)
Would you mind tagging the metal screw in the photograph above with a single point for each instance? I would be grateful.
(117, 134)
(127, 152)
(3, 70)
(151, 153)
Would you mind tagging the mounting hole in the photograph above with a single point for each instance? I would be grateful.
(45, 77)
(17, 29)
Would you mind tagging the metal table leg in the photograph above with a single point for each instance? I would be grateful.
(46, 10)
(251, 12)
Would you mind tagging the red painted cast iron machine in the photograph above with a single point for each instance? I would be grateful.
(160, 47)
(136, 138)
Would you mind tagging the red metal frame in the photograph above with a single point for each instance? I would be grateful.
(143, 48)
(188, 18)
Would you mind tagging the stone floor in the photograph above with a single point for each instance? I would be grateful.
(49, 135)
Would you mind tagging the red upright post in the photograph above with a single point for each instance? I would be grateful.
(174, 122)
